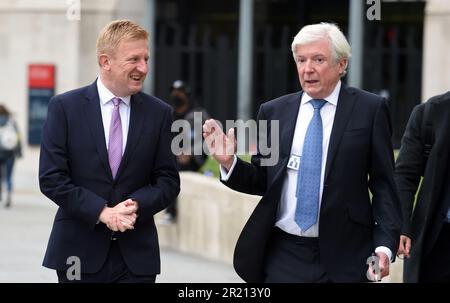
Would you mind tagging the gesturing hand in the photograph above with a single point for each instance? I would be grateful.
(222, 147)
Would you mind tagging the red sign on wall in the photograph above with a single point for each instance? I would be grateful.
(41, 76)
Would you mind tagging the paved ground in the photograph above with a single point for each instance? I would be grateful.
(25, 227)
(24, 234)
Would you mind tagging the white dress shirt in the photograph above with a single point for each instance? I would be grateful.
(107, 106)
(288, 202)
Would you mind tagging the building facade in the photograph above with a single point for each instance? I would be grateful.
(198, 41)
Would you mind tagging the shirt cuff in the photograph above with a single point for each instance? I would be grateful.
(224, 175)
(98, 220)
(385, 250)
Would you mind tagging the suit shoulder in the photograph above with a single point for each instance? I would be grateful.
(71, 95)
(437, 100)
(365, 95)
(370, 101)
(154, 102)
(280, 101)
(442, 98)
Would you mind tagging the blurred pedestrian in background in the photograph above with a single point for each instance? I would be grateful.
(10, 148)
(186, 108)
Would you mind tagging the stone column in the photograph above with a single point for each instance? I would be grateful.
(436, 45)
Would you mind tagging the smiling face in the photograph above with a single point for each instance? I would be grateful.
(123, 71)
(318, 71)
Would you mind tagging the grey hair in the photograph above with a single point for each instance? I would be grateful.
(340, 48)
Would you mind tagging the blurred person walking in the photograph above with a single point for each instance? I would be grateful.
(186, 108)
(10, 149)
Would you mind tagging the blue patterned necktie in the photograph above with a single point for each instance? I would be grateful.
(308, 176)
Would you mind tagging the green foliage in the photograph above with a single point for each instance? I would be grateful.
(211, 167)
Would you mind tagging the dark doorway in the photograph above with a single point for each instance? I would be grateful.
(393, 59)
(197, 42)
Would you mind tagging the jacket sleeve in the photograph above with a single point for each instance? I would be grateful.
(251, 178)
(385, 201)
(54, 170)
(409, 166)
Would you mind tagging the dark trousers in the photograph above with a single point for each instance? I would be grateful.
(294, 259)
(9, 169)
(6, 168)
(113, 271)
(436, 266)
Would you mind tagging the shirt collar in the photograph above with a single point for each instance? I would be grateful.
(332, 98)
(106, 95)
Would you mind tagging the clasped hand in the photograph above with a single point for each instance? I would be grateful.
(121, 217)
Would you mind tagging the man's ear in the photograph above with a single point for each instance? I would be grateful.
(342, 65)
(104, 61)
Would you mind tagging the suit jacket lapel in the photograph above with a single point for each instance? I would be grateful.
(344, 110)
(288, 120)
(136, 122)
(93, 115)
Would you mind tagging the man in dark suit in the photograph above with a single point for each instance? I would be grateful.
(345, 225)
(106, 162)
(425, 239)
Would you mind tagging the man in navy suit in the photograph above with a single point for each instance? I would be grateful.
(106, 162)
(356, 155)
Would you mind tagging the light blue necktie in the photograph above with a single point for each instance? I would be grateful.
(308, 176)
